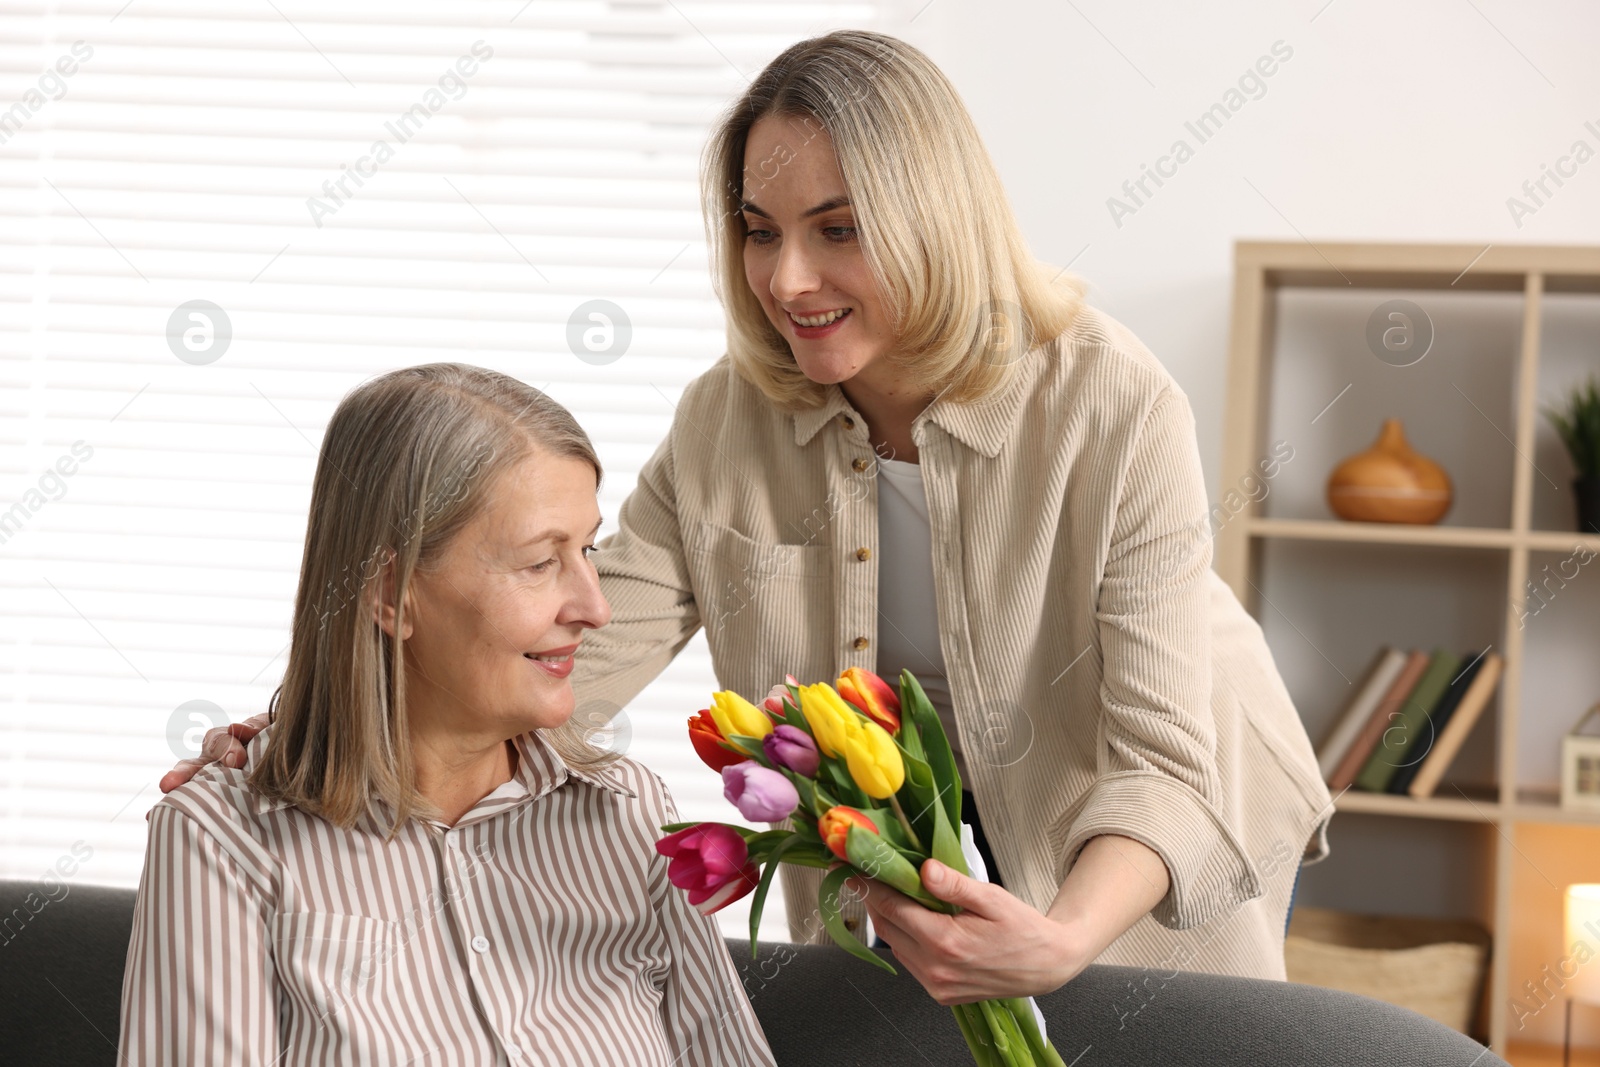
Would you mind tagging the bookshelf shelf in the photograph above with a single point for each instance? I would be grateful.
(1381, 533)
(1478, 805)
(1554, 541)
(1477, 809)
(1341, 585)
(1438, 536)
(1539, 805)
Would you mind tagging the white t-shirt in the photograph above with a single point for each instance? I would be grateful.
(908, 619)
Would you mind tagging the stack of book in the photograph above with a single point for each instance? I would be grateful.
(1407, 720)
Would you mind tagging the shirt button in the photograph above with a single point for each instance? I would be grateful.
(514, 1052)
(452, 841)
(863, 554)
(849, 423)
(860, 643)
(480, 944)
(858, 465)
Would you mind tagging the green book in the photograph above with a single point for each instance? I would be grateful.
(1410, 724)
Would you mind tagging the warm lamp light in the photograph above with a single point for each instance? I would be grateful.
(1583, 924)
(1583, 927)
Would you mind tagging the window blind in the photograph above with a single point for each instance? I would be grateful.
(218, 218)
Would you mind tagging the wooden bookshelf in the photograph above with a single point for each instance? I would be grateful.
(1263, 272)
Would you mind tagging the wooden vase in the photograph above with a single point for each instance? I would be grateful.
(1390, 482)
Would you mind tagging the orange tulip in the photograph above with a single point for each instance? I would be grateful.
(834, 826)
(872, 696)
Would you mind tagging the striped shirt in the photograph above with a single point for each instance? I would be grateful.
(541, 928)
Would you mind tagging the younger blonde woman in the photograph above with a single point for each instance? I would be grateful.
(422, 862)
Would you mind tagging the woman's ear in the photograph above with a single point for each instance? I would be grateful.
(383, 605)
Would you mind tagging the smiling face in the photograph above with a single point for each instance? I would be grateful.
(802, 256)
(492, 630)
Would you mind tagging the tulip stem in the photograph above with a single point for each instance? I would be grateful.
(900, 813)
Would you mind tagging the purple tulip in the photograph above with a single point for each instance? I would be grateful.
(760, 794)
(792, 747)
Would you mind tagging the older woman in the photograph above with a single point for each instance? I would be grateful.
(425, 863)
(923, 450)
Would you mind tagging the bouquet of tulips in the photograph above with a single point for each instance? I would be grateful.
(867, 782)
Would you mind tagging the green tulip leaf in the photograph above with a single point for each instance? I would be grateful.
(919, 795)
(823, 800)
(751, 746)
(890, 830)
(915, 703)
(910, 737)
(877, 859)
(804, 786)
(845, 786)
(806, 826)
(828, 907)
(759, 900)
(762, 845)
(947, 842)
(798, 719)
(809, 855)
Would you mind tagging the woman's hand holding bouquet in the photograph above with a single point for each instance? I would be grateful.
(867, 782)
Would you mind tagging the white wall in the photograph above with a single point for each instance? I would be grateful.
(1392, 122)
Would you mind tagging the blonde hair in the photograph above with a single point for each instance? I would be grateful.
(965, 297)
(409, 459)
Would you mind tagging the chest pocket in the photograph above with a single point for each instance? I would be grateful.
(336, 968)
(767, 607)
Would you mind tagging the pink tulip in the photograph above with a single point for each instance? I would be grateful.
(792, 747)
(760, 793)
(711, 862)
(779, 701)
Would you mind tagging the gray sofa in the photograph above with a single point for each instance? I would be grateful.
(61, 978)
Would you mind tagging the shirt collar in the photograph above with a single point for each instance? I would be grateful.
(983, 426)
(540, 769)
(809, 420)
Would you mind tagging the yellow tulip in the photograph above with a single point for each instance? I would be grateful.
(827, 715)
(873, 760)
(736, 715)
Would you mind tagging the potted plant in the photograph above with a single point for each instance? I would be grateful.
(1577, 420)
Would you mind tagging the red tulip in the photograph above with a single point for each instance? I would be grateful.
(872, 696)
(708, 744)
(834, 826)
(710, 861)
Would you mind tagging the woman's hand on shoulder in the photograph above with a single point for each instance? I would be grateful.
(224, 743)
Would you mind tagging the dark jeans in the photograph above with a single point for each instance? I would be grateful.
(1292, 891)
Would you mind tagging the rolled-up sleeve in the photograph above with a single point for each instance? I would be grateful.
(1156, 770)
(198, 985)
(704, 1010)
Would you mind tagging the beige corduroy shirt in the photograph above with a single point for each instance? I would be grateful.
(1104, 679)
